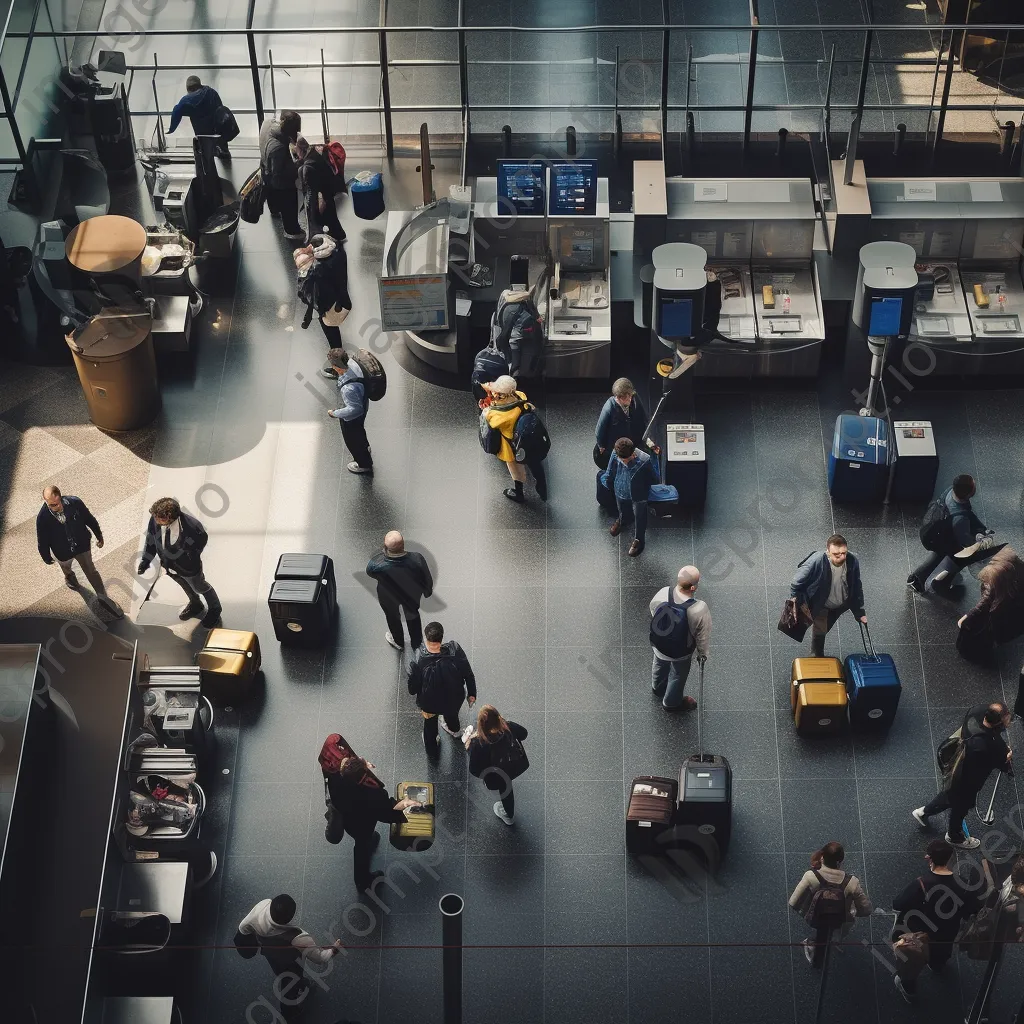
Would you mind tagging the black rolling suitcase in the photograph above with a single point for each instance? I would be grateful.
(303, 600)
(703, 817)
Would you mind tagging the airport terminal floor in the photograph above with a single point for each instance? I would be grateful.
(562, 924)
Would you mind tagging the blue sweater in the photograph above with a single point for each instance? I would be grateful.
(964, 524)
(201, 106)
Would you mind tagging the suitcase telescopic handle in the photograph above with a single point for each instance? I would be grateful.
(865, 639)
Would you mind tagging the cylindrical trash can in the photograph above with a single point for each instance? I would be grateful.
(107, 245)
(116, 364)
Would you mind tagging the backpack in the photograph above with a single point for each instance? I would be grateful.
(530, 440)
(374, 379)
(488, 366)
(949, 756)
(251, 197)
(334, 153)
(936, 531)
(511, 757)
(490, 437)
(670, 628)
(827, 908)
(520, 320)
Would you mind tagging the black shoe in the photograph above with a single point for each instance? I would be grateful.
(915, 584)
(514, 495)
(71, 581)
(211, 618)
(191, 611)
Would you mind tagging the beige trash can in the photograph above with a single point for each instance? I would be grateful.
(107, 245)
(117, 367)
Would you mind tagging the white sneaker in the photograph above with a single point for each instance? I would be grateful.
(808, 951)
(391, 640)
(466, 733)
(899, 988)
(354, 467)
(970, 843)
(919, 817)
(499, 810)
(451, 732)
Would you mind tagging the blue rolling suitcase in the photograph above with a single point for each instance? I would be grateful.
(872, 686)
(662, 499)
(367, 192)
(858, 465)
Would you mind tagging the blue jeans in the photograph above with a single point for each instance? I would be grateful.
(668, 680)
(630, 511)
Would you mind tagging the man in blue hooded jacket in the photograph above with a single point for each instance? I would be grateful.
(200, 104)
(829, 583)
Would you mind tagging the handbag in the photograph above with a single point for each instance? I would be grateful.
(795, 619)
(512, 760)
(334, 317)
(334, 830)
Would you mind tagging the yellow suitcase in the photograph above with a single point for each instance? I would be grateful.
(228, 665)
(417, 831)
(817, 670)
(819, 708)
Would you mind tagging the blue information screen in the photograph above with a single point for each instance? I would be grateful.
(522, 184)
(886, 314)
(676, 318)
(573, 189)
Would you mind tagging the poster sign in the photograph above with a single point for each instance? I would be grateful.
(415, 303)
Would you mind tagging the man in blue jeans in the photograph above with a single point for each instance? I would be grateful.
(680, 627)
(630, 476)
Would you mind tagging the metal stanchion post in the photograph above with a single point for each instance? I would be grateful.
(451, 907)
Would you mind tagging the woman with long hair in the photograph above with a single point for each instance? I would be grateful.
(998, 617)
(496, 756)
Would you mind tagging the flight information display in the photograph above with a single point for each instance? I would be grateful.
(573, 189)
(522, 184)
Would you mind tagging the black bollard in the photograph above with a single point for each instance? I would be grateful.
(451, 907)
(1007, 143)
(617, 143)
(780, 147)
(506, 136)
(570, 141)
(901, 134)
(690, 131)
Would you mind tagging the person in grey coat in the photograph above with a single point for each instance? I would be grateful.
(279, 170)
(829, 583)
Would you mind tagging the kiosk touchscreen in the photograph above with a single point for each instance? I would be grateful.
(522, 185)
(886, 316)
(573, 190)
(675, 317)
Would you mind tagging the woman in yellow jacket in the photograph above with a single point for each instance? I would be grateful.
(505, 407)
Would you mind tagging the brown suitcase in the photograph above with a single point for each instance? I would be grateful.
(228, 665)
(652, 802)
(417, 831)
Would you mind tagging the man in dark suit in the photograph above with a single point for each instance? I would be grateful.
(829, 583)
(63, 526)
(403, 580)
(178, 539)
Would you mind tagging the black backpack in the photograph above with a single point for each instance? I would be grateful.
(490, 437)
(510, 757)
(374, 380)
(251, 198)
(827, 909)
(488, 366)
(530, 439)
(670, 628)
(937, 527)
(522, 320)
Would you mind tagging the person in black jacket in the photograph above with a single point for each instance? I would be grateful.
(62, 533)
(496, 756)
(829, 583)
(934, 903)
(323, 287)
(362, 801)
(403, 580)
(440, 678)
(623, 415)
(178, 540)
(279, 171)
(319, 185)
(998, 617)
(984, 750)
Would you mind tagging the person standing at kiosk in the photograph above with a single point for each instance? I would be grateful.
(623, 415)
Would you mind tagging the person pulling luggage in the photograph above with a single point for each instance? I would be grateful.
(630, 477)
(829, 900)
(950, 526)
(440, 678)
(829, 583)
(497, 757)
(680, 626)
(935, 903)
(982, 750)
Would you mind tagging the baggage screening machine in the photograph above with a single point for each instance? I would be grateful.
(968, 237)
(758, 235)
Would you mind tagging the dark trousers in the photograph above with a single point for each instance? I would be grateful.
(392, 613)
(430, 725)
(633, 511)
(508, 802)
(332, 334)
(326, 221)
(1018, 704)
(196, 588)
(354, 433)
(958, 804)
(540, 478)
(285, 203)
(934, 561)
(823, 622)
(365, 843)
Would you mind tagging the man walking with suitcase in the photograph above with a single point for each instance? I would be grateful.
(178, 540)
(403, 580)
(829, 583)
(950, 527)
(982, 750)
(680, 627)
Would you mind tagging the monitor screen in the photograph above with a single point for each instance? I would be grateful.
(886, 314)
(675, 318)
(573, 189)
(522, 184)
